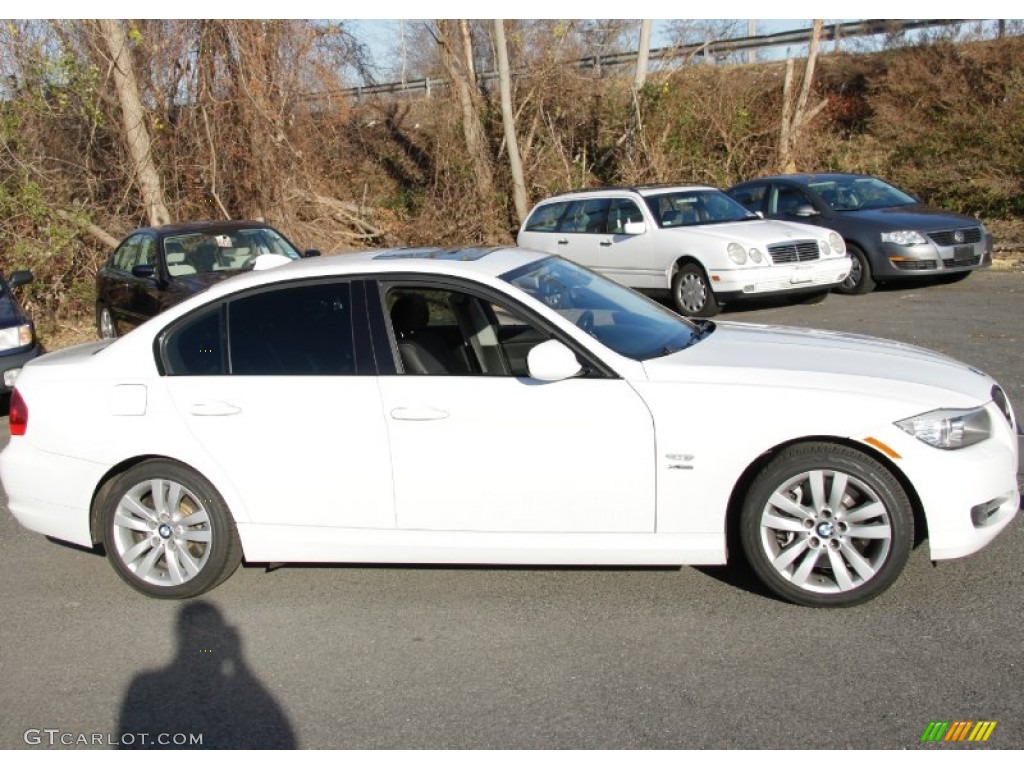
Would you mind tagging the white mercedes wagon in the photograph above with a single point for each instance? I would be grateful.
(693, 241)
(494, 405)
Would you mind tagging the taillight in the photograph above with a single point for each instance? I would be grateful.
(18, 414)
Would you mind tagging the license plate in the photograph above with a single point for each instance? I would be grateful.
(963, 254)
(802, 274)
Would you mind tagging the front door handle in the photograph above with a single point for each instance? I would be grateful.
(605, 243)
(418, 413)
(563, 241)
(214, 408)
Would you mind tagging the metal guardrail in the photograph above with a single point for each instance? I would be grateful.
(831, 32)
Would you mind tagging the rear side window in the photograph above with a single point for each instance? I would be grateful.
(586, 216)
(293, 331)
(546, 218)
(196, 347)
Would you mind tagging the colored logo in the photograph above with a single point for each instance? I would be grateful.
(958, 730)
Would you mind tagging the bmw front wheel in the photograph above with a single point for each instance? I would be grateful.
(826, 525)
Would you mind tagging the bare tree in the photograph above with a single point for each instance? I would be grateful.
(796, 116)
(458, 70)
(133, 119)
(642, 54)
(508, 119)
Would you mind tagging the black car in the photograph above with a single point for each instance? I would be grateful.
(18, 342)
(889, 234)
(156, 267)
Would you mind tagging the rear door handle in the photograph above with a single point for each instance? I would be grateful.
(215, 408)
(605, 243)
(419, 413)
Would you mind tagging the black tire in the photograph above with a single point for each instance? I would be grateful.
(784, 538)
(860, 280)
(149, 547)
(814, 298)
(105, 326)
(692, 294)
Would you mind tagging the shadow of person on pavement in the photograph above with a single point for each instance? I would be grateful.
(207, 694)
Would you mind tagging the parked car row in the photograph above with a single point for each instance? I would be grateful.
(800, 235)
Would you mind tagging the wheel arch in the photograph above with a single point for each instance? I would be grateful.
(746, 478)
(99, 495)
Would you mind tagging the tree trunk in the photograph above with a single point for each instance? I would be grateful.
(643, 51)
(796, 117)
(472, 128)
(133, 118)
(508, 119)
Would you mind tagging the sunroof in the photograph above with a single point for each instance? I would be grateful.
(446, 254)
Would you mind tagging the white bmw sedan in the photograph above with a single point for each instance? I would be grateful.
(503, 406)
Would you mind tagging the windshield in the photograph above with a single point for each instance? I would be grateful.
(859, 194)
(701, 206)
(624, 321)
(202, 252)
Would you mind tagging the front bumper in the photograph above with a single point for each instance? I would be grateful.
(933, 259)
(801, 277)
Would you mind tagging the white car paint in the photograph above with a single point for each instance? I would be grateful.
(636, 467)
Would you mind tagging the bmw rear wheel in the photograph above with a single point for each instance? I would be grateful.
(167, 531)
(826, 525)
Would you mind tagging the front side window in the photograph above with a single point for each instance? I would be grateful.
(449, 332)
(621, 211)
(624, 321)
(127, 255)
(751, 198)
(787, 200)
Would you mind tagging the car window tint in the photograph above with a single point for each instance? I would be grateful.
(545, 218)
(195, 347)
(293, 331)
(620, 212)
(751, 197)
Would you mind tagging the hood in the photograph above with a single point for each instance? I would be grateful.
(203, 280)
(916, 217)
(763, 354)
(758, 232)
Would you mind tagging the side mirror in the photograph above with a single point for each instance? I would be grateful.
(21, 277)
(145, 271)
(759, 214)
(552, 361)
(309, 253)
(634, 228)
(805, 210)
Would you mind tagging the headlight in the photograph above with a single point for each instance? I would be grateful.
(837, 243)
(904, 237)
(12, 338)
(823, 247)
(949, 428)
(756, 256)
(737, 253)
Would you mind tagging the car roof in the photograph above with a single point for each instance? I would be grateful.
(474, 261)
(805, 178)
(640, 189)
(201, 226)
